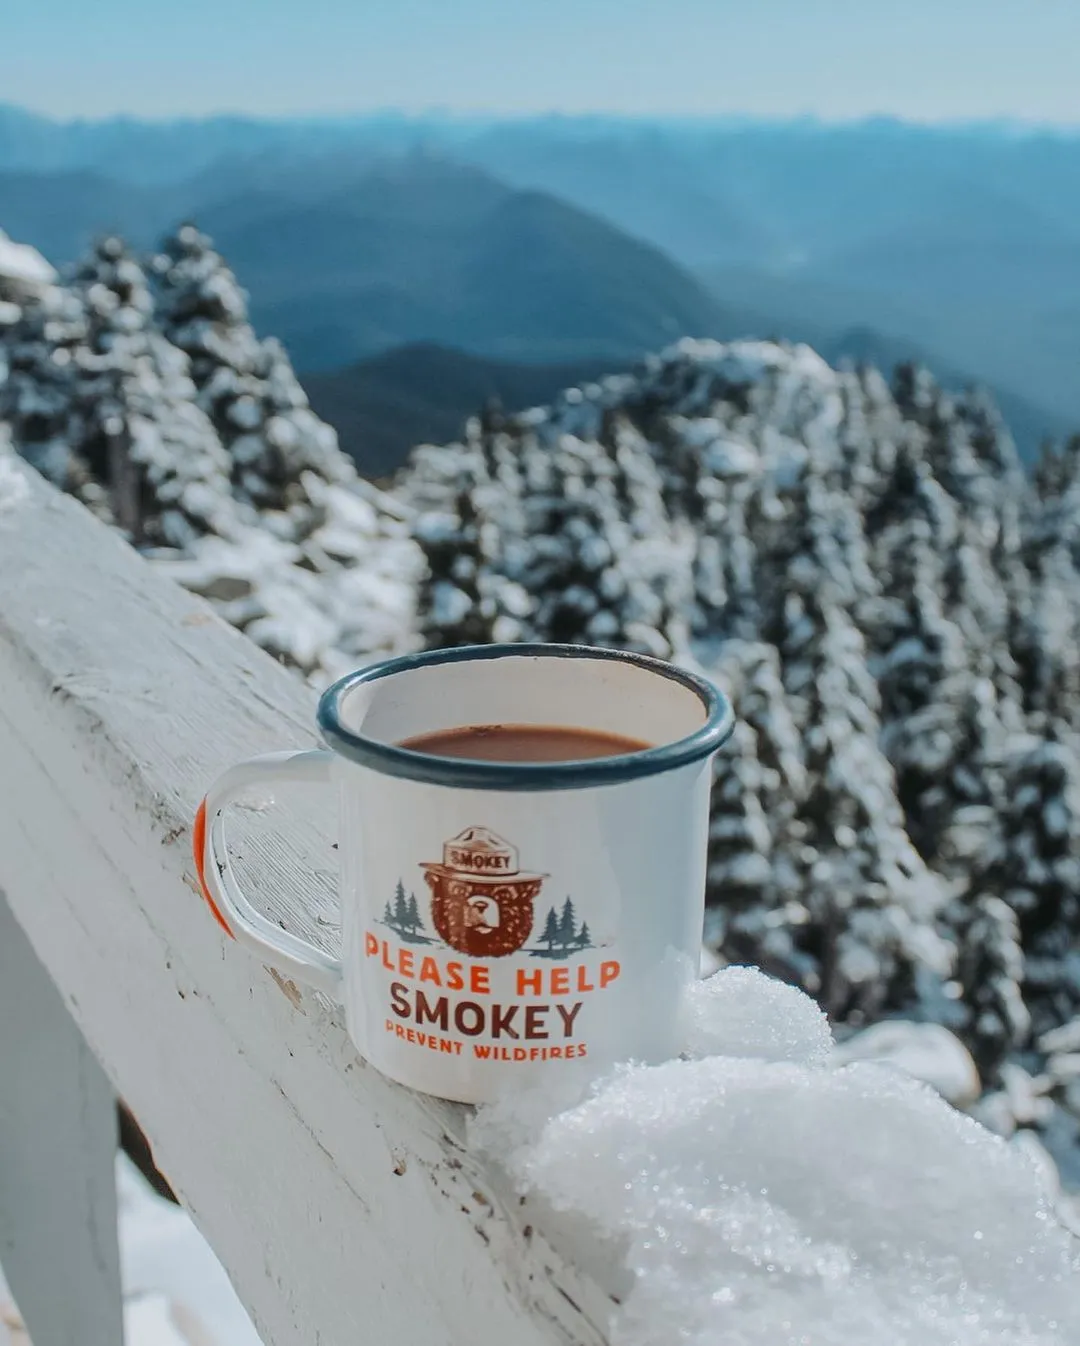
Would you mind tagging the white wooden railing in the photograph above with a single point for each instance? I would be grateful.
(347, 1211)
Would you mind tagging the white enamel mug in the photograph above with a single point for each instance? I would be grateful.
(501, 921)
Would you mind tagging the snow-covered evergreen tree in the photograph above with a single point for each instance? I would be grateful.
(740, 838)
(923, 679)
(755, 909)
(104, 406)
(562, 540)
(245, 385)
(1035, 869)
(1045, 629)
(48, 393)
(871, 903)
(454, 607)
(990, 971)
(569, 563)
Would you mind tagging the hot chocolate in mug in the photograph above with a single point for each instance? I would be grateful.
(501, 920)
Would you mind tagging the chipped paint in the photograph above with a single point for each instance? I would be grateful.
(289, 988)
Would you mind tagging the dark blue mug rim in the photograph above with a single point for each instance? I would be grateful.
(460, 773)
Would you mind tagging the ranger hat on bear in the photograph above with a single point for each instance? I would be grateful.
(482, 857)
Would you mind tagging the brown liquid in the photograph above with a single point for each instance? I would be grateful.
(523, 743)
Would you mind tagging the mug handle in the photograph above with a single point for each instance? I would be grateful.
(234, 913)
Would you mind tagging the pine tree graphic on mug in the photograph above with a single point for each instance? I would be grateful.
(404, 919)
(562, 935)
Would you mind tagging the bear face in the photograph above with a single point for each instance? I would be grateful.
(479, 919)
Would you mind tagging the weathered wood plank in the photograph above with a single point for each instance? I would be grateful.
(58, 1243)
(344, 1208)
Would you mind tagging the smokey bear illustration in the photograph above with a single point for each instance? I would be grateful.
(481, 900)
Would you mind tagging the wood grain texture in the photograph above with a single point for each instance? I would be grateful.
(58, 1238)
(344, 1208)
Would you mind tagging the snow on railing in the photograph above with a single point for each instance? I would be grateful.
(753, 1193)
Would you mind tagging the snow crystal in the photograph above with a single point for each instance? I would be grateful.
(1028, 1144)
(775, 1203)
(740, 1012)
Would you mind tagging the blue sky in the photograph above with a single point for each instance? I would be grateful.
(922, 59)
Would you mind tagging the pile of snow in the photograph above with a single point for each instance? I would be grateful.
(769, 1200)
(927, 1052)
(739, 1012)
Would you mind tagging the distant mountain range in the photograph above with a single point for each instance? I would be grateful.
(423, 249)
(565, 239)
(413, 249)
(423, 393)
